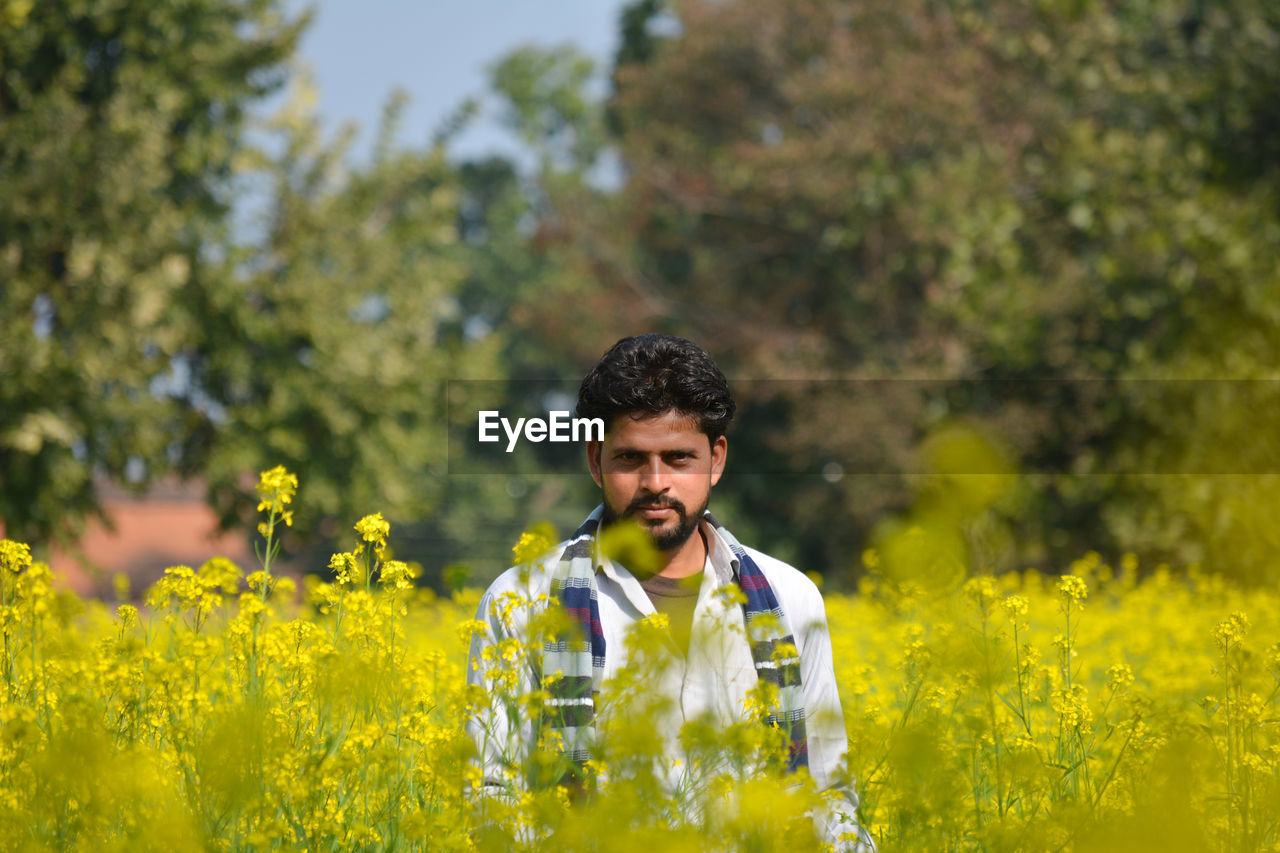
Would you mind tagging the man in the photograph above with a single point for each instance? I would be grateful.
(735, 617)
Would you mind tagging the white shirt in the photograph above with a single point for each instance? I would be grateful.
(712, 681)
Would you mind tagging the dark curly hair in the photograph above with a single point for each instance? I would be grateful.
(654, 374)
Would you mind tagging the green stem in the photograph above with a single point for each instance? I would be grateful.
(337, 625)
(1226, 700)
(1111, 775)
(262, 597)
(1017, 660)
(8, 654)
(991, 710)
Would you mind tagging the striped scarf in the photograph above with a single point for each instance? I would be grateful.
(574, 668)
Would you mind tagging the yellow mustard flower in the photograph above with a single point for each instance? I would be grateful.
(276, 488)
(373, 530)
(1073, 589)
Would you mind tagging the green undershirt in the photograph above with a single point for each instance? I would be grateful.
(677, 598)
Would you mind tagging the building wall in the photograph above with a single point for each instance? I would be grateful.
(170, 525)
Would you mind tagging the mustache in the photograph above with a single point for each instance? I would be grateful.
(655, 502)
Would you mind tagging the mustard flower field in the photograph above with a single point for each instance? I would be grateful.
(1104, 708)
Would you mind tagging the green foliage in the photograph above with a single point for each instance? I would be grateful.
(547, 105)
(1031, 206)
(144, 335)
(120, 124)
(1026, 207)
(332, 352)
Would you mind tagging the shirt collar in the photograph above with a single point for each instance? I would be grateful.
(720, 558)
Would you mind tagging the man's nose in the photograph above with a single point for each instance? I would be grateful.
(654, 477)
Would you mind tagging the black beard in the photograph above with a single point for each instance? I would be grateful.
(669, 539)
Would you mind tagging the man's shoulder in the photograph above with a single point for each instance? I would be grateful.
(798, 596)
(534, 576)
(785, 578)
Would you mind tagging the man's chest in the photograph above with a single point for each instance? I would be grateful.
(643, 662)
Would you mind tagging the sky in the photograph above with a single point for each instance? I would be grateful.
(437, 51)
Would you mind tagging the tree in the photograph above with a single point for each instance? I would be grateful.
(147, 335)
(332, 352)
(120, 125)
(1022, 208)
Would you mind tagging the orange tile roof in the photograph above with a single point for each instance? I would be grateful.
(170, 525)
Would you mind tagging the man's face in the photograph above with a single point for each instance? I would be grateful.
(658, 470)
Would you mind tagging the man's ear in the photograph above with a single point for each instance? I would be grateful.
(719, 453)
(594, 449)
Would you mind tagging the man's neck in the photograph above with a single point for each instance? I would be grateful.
(688, 559)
